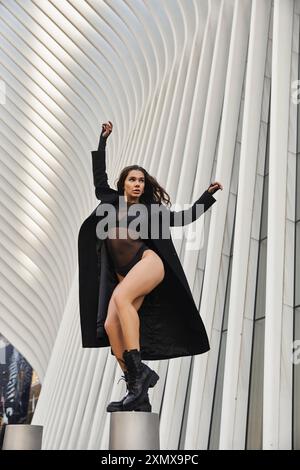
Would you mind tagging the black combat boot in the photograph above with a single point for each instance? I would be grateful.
(140, 378)
(118, 405)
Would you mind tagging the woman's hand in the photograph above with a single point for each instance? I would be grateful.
(106, 129)
(213, 187)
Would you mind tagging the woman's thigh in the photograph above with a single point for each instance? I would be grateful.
(142, 278)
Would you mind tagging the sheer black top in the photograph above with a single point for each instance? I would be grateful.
(124, 243)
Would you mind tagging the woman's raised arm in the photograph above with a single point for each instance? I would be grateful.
(102, 187)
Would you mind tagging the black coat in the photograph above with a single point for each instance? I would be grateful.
(170, 324)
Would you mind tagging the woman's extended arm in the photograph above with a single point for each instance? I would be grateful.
(179, 218)
(102, 187)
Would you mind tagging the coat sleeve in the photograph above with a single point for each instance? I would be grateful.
(179, 218)
(102, 187)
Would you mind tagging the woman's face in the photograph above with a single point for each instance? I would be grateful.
(134, 185)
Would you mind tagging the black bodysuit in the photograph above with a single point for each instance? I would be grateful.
(127, 251)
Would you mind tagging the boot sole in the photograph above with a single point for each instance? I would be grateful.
(146, 408)
(112, 407)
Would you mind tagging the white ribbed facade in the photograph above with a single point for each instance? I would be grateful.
(198, 91)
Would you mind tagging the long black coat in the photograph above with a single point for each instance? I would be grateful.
(170, 324)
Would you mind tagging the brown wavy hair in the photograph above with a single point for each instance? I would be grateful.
(153, 192)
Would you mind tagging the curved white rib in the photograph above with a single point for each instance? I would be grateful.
(249, 146)
(279, 118)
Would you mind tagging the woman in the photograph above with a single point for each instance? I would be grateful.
(140, 298)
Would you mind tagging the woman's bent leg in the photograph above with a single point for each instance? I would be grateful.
(114, 331)
(140, 280)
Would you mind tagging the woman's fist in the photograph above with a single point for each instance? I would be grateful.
(213, 187)
(106, 129)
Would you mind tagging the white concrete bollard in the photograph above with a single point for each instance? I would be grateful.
(134, 430)
(22, 437)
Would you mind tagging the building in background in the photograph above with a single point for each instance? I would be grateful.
(19, 386)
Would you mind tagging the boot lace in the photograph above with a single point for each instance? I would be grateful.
(123, 377)
(132, 378)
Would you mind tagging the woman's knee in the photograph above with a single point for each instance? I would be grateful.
(120, 300)
(112, 320)
(111, 324)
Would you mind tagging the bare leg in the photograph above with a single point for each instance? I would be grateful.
(140, 280)
(114, 331)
